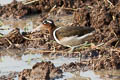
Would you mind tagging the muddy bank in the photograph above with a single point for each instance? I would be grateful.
(31, 7)
(104, 17)
(21, 9)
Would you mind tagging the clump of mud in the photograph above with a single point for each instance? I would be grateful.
(73, 66)
(41, 71)
(9, 40)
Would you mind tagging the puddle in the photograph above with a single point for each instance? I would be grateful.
(90, 74)
(3, 2)
(19, 61)
(13, 63)
(5, 29)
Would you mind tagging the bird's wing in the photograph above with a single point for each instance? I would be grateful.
(73, 31)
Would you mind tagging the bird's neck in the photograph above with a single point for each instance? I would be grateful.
(51, 32)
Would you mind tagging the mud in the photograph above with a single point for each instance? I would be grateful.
(20, 10)
(9, 76)
(43, 71)
(74, 66)
(103, 15)
(13, 37)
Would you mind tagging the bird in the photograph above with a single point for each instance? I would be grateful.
(70, 36)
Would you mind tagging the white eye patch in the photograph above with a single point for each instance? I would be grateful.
(49, 22)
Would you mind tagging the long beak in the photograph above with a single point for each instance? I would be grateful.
(40, 27)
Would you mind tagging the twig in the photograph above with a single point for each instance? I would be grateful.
(109, 2)
(52, 9)
(113, 32)
(9, 41)
(117, 43)
(29, 2)
(115, 50)
(69, 8)
(110, 41)
(60, 9)
(30, 38)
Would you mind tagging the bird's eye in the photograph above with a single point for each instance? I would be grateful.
(44, 22)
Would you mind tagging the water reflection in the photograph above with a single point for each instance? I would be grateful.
(3, 2)
(17, 60)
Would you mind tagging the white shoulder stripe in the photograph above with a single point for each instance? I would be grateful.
(54, 35)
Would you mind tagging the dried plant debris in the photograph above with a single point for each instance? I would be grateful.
(14, 37)
(109, 58)
(103, 18)
(19, 9)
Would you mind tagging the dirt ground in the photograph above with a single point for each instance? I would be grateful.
(103, 15)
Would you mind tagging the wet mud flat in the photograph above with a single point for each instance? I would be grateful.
(104, 53)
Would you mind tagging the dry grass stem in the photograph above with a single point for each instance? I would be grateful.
(30, 2)
(31, 39)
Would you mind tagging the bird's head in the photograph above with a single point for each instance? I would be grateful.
(47, 25)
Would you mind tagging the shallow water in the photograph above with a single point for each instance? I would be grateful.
(17, 63)
(3, 2)
(12, 61)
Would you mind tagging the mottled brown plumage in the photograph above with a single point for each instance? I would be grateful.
(73, 31)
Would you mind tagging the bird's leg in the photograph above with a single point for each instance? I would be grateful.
(71, 50)
(86, 44)
(80, 56)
